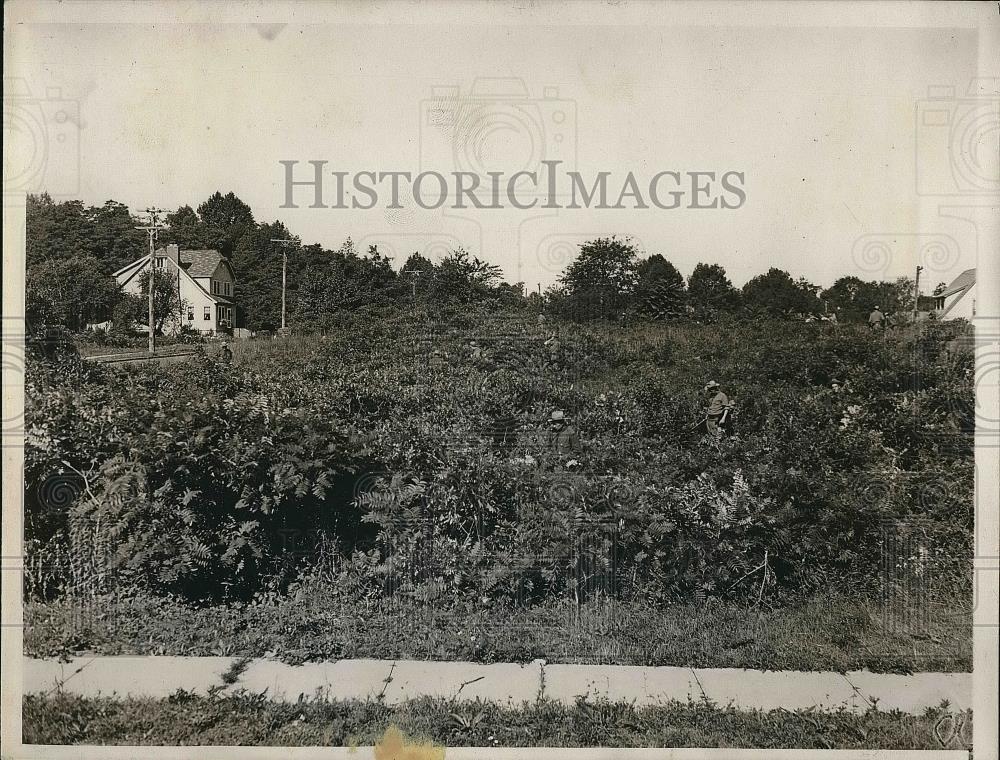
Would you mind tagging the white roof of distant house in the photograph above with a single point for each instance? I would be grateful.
(195, 263)
(963, 282)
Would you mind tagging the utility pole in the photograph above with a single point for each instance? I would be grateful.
(151, 230)
(916, 293)
(284, 243)
(413, 284)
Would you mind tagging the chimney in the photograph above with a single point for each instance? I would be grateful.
(174, 253)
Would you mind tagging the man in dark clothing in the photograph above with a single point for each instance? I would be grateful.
(563, 439)
(226, 354)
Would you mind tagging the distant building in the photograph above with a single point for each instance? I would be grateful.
(958, 300)
(205, 281)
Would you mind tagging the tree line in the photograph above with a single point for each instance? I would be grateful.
(73, 250)
(610, 277)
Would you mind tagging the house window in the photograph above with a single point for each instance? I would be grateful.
(215, 287)
(159, 262)
(190, 314)
(208, 314)
(227, 288)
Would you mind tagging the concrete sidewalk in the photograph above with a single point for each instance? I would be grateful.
(399, 680)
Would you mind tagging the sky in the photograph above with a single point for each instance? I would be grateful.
(826, 124)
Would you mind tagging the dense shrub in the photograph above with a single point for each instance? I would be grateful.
(414, 453)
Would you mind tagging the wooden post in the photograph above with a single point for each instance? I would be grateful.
(152, 274)
(284, 242)
(151, 230)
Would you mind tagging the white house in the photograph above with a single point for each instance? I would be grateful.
(958, 300)
(205, 283)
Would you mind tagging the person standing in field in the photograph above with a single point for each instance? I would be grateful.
(876, 320)
(718, 407)
(563, 440)
(227, 353)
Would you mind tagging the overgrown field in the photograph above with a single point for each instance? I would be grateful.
(245, 719)
(407, 459)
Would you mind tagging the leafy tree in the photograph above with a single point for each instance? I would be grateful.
(660, 292)
(257, 264)
(167, 303)
(854, 298)
(776, 293)
(341, 280)
(70, 292)
(55, 230)
(186, 229)
(417, 274)
(711, 291)
(897, 296)
(68, 229)
(229, 215)
(601, 280)
(114, 237)
(416, 263)
(463, 278)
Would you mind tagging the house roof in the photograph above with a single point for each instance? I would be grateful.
(963, 282)
(194, 264)
(198, 262)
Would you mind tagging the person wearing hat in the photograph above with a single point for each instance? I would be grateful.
(227, 353)
(563, 440)
(876, 320)
(718, 405)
